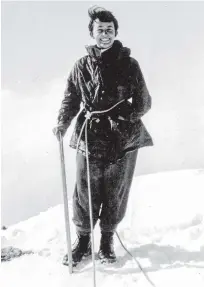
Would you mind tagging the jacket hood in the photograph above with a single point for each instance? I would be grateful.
(117, 51)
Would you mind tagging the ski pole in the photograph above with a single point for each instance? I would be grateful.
(66, 207)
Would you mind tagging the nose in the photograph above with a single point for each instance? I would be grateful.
(105, 32)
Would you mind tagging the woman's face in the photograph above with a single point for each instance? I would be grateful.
(104, 33)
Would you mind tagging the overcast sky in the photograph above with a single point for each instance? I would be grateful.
(40, 43)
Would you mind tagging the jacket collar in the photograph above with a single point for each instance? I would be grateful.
(117, 51)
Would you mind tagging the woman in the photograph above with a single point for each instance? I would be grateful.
(107, 78)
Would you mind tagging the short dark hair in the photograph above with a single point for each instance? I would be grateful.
(103, 16)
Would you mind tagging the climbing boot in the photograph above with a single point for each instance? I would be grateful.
(106, 252)
(81, 249)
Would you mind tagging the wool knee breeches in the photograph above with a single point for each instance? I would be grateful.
(110, 185)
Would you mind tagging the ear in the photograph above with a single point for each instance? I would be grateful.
(116, 33)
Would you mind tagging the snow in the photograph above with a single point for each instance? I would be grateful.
(163, 228)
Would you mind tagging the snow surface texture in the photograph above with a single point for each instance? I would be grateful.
(163, 228)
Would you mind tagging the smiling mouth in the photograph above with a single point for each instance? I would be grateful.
(105, 41)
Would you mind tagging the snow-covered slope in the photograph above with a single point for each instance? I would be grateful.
(163, 228)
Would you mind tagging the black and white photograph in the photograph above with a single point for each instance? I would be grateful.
(102, 143)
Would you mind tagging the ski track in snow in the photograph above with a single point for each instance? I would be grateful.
(163, 228)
